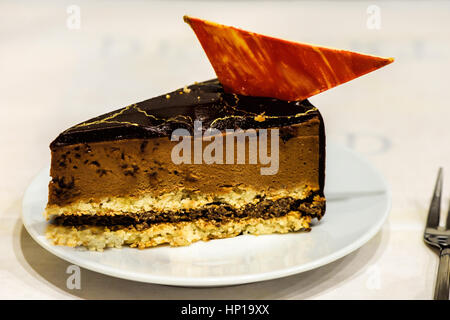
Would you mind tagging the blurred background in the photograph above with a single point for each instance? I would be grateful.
(62, 62)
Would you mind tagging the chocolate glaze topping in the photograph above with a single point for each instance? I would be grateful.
(206, 102)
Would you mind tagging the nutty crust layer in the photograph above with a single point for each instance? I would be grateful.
(175, 234)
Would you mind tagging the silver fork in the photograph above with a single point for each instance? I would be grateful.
(439, 237)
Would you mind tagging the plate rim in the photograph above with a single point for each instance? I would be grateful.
(223, 280)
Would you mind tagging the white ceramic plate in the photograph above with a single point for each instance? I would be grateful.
(358, 204)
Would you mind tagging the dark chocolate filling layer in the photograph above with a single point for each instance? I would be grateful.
(214, 211)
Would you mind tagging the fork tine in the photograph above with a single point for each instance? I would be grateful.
(435, 206)
(447, 225)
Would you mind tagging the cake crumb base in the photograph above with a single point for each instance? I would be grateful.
(183, 233)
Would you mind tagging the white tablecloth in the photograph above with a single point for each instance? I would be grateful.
(54, 75)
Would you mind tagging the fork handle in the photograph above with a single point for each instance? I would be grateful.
(443, 278)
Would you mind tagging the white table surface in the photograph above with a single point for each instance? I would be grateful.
(398, 117)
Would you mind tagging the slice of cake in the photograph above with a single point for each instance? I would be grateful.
(115, 180)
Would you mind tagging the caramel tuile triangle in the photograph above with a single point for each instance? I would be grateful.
(256, 65)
